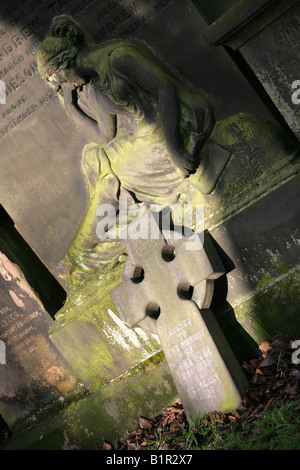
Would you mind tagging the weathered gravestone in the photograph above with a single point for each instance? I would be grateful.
(32, 371)
(265, 34)
(167, 288)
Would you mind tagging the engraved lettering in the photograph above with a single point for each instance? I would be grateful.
(11, 66)
(15, 122)
(8, 49)
(17, 40)
(8, 112)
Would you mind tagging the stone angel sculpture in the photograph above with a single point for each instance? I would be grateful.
(150, 137)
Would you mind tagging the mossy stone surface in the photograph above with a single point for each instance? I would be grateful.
(105, 414)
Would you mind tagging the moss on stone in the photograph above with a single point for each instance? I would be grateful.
(105, 414)
(144, 366)
(274, 309)
(89, 334)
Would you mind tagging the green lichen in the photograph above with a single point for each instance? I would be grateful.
(272, 310)
(90, 289)
(89, 334)
(271, 306)
(144, 366)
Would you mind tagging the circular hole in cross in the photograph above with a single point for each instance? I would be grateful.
(153, 310)
(185, 290)
(168, 253)
(138, 275)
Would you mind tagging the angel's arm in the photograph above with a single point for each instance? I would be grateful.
(132, 63)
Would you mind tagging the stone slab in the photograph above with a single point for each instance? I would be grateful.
(263, 243)
(277, 47)
(41, 280)
(272, 309)
(33, 372)
(212, 10)
(103, 415)
(262, 156)
(92, 338)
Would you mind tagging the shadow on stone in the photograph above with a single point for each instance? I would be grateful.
(13, 245)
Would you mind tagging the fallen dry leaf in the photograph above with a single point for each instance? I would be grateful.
(265, 347)
(106, 446)
(254, 363)
(145, 423)
(271, 380)
(295, 374)
(164, 446)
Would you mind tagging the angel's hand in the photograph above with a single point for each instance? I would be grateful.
(69, 93)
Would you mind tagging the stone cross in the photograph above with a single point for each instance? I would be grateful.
(167, 289)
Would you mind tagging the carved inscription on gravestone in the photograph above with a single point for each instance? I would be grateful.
(31, 152)
(32, 369)
(172, 298)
